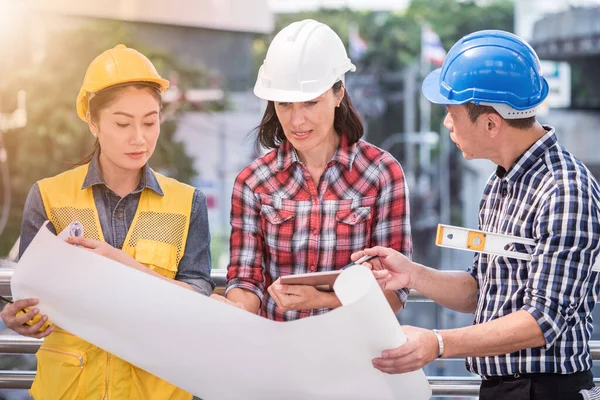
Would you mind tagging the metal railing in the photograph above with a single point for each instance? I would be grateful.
(449, 386)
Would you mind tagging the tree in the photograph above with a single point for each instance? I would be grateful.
(55, 138)
(394, 39)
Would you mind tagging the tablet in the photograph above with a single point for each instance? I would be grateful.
(322, 281)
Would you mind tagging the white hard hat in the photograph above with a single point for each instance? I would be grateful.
(303, 61)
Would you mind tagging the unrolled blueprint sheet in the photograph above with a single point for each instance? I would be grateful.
(211, 349)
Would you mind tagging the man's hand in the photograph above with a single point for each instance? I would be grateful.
(393, 270)
(18, 323)
(301, 297)
(420, 349)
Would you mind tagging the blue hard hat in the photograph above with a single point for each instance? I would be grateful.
(488, 67)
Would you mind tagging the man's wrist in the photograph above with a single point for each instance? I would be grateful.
(440, 341)
(415, 272)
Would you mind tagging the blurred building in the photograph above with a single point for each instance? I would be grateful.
(572, 38)
(218, 34)
(528, 12)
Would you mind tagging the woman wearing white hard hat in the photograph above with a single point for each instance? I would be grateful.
(125, 211)
(321, 193)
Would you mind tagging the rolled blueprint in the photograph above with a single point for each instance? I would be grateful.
(209, 348)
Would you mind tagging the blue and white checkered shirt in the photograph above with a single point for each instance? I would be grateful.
(550, 196)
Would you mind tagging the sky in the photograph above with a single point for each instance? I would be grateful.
(280, 6)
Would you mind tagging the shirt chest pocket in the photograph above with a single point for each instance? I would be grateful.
(158, 256)
(353, 228)
(278, 228)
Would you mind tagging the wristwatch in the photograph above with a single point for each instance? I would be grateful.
(440, 343)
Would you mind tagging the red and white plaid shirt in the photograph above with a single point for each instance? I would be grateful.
(281, 224)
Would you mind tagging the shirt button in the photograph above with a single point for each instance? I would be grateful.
(316, 201)
(312, 268)
(504, 192)
(353, 218)
(315, 232)
(119, 214)
(276, 219)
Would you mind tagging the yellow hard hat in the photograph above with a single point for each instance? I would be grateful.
(116, 66)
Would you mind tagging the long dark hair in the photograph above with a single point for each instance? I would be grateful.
(346, 122)
(108, 96)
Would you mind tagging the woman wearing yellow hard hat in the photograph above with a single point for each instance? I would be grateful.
(128, 213)
(321, 194)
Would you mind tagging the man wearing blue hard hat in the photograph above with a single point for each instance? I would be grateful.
(532, 319)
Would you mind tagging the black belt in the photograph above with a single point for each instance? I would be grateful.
(537, 375)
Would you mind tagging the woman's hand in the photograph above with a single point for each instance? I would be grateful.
(301, 297)
(18, 323)
(223, 299)
(104, 249)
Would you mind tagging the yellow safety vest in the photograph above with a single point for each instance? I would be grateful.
(68, 366)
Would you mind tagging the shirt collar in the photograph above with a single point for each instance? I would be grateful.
(286, 156)
(344, 155)
(94, 177)
(531, 155)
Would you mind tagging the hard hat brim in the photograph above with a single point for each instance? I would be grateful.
(162, 84)
(286, 96)
(431, 89)
(82, 106)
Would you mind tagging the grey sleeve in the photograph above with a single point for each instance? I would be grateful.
(34, 215)
(195, 265)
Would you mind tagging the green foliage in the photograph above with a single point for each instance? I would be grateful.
(452, 20)
(394, 38)
(55, 138)
(394, 41)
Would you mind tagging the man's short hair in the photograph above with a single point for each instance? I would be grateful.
(475, 111)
